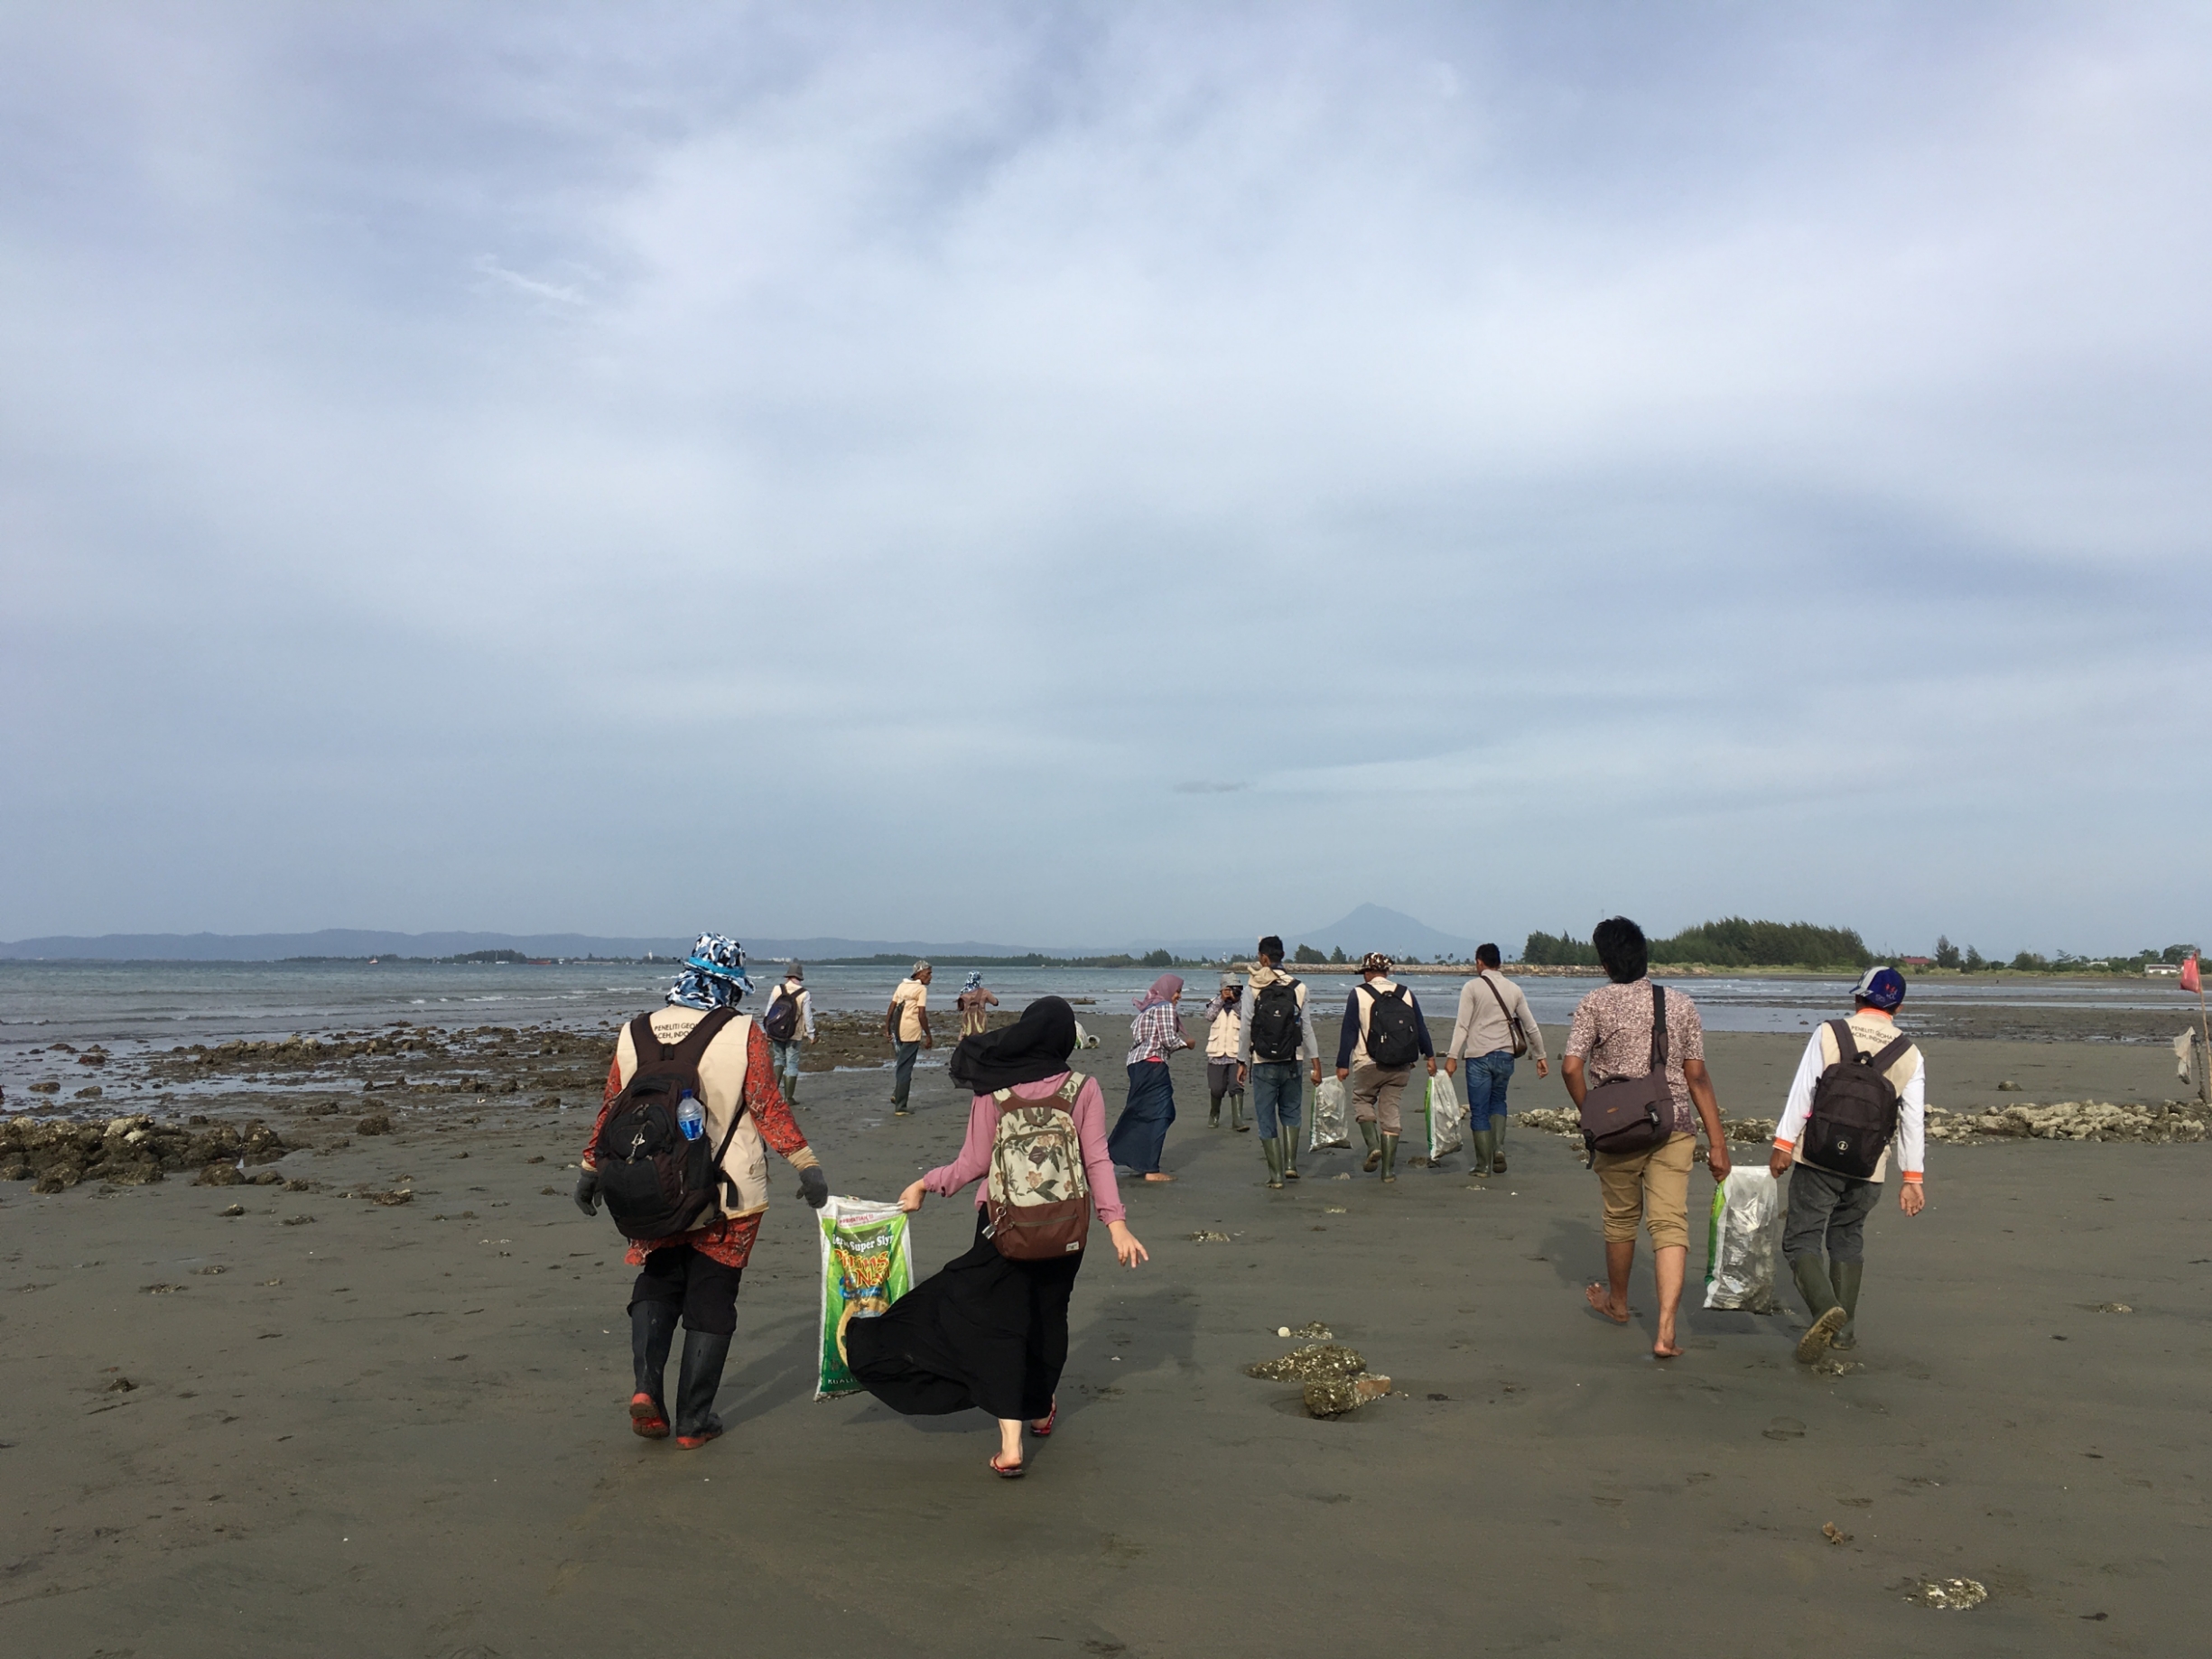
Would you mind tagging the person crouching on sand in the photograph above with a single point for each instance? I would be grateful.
(990, 1330)
(1224, 1032)
(699, 1037)
(1141, 1131)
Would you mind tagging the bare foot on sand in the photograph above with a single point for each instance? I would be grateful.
(1665, 1348)
(1159, 1175)
(1601, 1300)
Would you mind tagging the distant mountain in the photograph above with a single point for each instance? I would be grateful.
(1373, 927)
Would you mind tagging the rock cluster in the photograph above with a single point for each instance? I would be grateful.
(129, 1151)
(2072, 1120)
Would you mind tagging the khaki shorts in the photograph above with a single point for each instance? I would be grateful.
(1652, 1187)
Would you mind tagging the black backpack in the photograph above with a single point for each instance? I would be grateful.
(656, 1184)
(1393, 1034)
(780, 1023)
(1276, 1026)
(1854, 1107)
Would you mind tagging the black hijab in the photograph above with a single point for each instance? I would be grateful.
(1034, 1047)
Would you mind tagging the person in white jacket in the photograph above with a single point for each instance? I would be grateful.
(1829, 1208)
(1224, 1036)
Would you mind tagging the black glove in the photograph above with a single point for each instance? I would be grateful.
(588, 1192)
(813, 1185)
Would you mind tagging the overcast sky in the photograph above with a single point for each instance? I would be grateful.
(1077, 473)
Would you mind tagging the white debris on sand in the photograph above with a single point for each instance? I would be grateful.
(2071, 1120)
(1955, 1594)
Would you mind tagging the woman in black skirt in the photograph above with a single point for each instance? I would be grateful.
(988, 1331)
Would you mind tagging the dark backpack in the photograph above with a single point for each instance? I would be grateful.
(656, 1184)
(1394, 1033)
(1276, 1026)
(780, 1023)
(1854, 1107)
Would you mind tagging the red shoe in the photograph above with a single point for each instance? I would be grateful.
(1043, 1431)
(646, 1418)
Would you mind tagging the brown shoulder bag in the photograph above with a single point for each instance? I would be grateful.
(1633, 1114)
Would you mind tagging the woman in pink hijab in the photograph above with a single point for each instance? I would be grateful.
(1141, 1130)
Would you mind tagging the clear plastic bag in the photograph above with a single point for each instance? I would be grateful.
(867, 1265)
(1328, 1128)
(1743, 1246)
(1444, 1115)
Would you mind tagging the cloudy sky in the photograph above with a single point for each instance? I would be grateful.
(1071, 473)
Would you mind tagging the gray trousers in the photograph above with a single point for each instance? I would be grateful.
(1828, 1211)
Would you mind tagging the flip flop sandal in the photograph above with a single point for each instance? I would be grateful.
(1043, 1431)
(1003, 1472)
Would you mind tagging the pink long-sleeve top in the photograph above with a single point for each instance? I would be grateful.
(1090, 1115)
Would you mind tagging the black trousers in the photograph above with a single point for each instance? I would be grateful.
(701, 1287)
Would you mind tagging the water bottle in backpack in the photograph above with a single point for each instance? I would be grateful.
(690, 1118)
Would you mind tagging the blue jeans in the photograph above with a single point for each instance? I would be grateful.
(902, 1078)
(1278, 1097)
(1487, 1076)
(784, 1057)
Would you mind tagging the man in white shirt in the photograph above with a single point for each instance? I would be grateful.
(1828, 1207)
(1494, 1028)
(797, 1023)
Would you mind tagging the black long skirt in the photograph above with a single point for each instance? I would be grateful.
(982, 1331)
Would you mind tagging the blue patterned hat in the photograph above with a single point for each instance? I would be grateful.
(713, 975)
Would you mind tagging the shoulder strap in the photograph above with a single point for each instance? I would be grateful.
(1073, 1086)
(1658, 1026)
(1893, 1054)
(695, 1040)
(644, 1041)
(1000, 1097)
(1494, 996)
(1846, 1045)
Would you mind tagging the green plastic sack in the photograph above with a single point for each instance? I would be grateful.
(866, 1264)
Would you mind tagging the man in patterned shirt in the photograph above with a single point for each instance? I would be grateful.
(1611, 1039)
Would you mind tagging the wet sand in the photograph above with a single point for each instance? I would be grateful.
(399, 1430)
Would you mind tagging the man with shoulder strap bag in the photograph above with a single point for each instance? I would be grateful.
(1495, 1028)
(1860, 1090)
(679, 1152)
(1635, 1068)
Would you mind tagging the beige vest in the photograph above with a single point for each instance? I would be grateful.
(1872, 1034)
(722, 1079)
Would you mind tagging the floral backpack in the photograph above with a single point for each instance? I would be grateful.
(1038, 1201)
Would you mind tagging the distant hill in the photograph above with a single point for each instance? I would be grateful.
(1374, 927)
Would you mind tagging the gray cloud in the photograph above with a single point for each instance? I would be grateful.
(932, 430)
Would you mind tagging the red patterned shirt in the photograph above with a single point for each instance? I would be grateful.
(729, 1241)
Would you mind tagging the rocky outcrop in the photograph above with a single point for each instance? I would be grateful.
(132, 1150)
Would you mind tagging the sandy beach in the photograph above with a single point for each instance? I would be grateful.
(332, 1426)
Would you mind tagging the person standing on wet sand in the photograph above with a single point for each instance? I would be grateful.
(906, 1024)
(1611, 1038)
(1493, 1029)
(695, 1274)
(975, 1004)
(988, 1330)
(1224, 1030)
(1828, 1207)
(1141, 1131)
(1278, 1034)
(789, 1021)
(1383, 1035)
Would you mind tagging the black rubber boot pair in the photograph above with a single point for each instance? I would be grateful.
(696, 1386)
(652, 1328)
(1484, 1144)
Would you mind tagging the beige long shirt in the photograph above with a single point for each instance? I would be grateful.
(1481, 1027)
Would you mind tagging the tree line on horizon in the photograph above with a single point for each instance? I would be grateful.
(1732, 941)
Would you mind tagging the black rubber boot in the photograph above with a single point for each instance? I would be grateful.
(1828, 1315)
(1390, 1156)
(653, 1329)
(1289, 1132)
(1213, 1117)
(1374, 1144)
(696, 1386)
(1273, 1149)
(1846, 1277)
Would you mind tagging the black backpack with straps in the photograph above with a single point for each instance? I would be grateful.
(656, 1184)
(1394, 1033)
(1277, 1030)
(1854, 1107)
(780, 1023)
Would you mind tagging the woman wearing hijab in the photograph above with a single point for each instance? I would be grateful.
(975, 1004)
(988, 1331)
(1157, 1032)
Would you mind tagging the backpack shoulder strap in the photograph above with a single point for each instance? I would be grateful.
(1073, 1086)
(695, 1041)
(1000, 1097)
(644, 1041)
(1846, 1045)
(1893, 1053)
